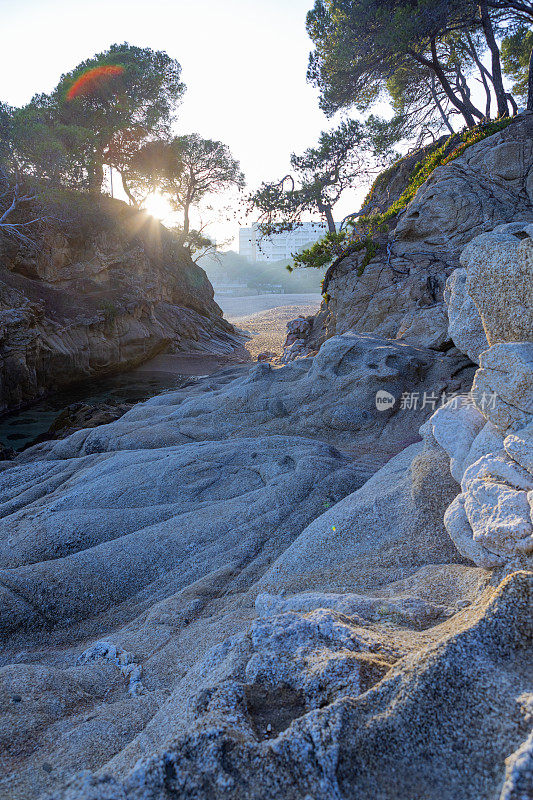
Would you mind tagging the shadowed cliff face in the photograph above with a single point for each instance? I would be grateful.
(104, 289)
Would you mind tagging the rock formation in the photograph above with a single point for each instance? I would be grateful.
(99, 295)
(266, 586)
(422, 730)
(400, 292)
(490, 439)
(331, 397)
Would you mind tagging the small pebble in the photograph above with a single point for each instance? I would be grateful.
(47, 767)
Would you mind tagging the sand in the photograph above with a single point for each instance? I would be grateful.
(264, 317)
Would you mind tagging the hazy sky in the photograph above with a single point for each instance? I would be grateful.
(244, 64)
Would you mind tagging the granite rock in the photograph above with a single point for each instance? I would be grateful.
(499, 279)
(465, 327)
(503, 385)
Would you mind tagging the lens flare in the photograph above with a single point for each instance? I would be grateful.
(92, 80)
(158, 206)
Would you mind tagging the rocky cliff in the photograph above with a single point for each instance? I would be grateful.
(104, 288)
(400, 293)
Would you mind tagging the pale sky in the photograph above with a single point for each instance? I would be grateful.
(243, 61)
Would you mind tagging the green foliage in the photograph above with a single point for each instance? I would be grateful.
(376, 223)
(361, 44)
(324, 251)
(144, 165)
(47, 149)
(196, 242)
(337, 245)
(516, 51)
(186, 169)
(382, 180)
(195, 168)
(422, 109)
(6, 122)
(420, 52)
(83, 133)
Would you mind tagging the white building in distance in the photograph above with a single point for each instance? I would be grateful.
(254, 246)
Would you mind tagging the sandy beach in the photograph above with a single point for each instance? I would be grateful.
(265, 317)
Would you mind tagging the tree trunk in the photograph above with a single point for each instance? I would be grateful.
(435, 65)
(96, 178)
(326, 210)
(439, 104)
(530, 84)
(186, 221)
(127, 190)
(96, 172)
(483, 72)
(497, 78)
(462, 107)
(462, 87)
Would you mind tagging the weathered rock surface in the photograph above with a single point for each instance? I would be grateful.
(499, 279)
(455, 426)
(85, 534)
(99, 297)
(491, 521)
(382, 533)
(330, 397)
(487, 435)
(123, 566)
(503, 385)
(212, 597)
(385, 743)
(78, 416)
(490, 184)
(128, 550)
(294, 346)
(465, 327)
(426, 327)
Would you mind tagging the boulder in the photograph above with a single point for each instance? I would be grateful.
(491, 521)
(519, 447)
(214, 597)
(503, 385)
(499, 279)
(427, 728)
(455, 427)
(465, 327)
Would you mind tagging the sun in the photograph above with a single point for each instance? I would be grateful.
(158, 206)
